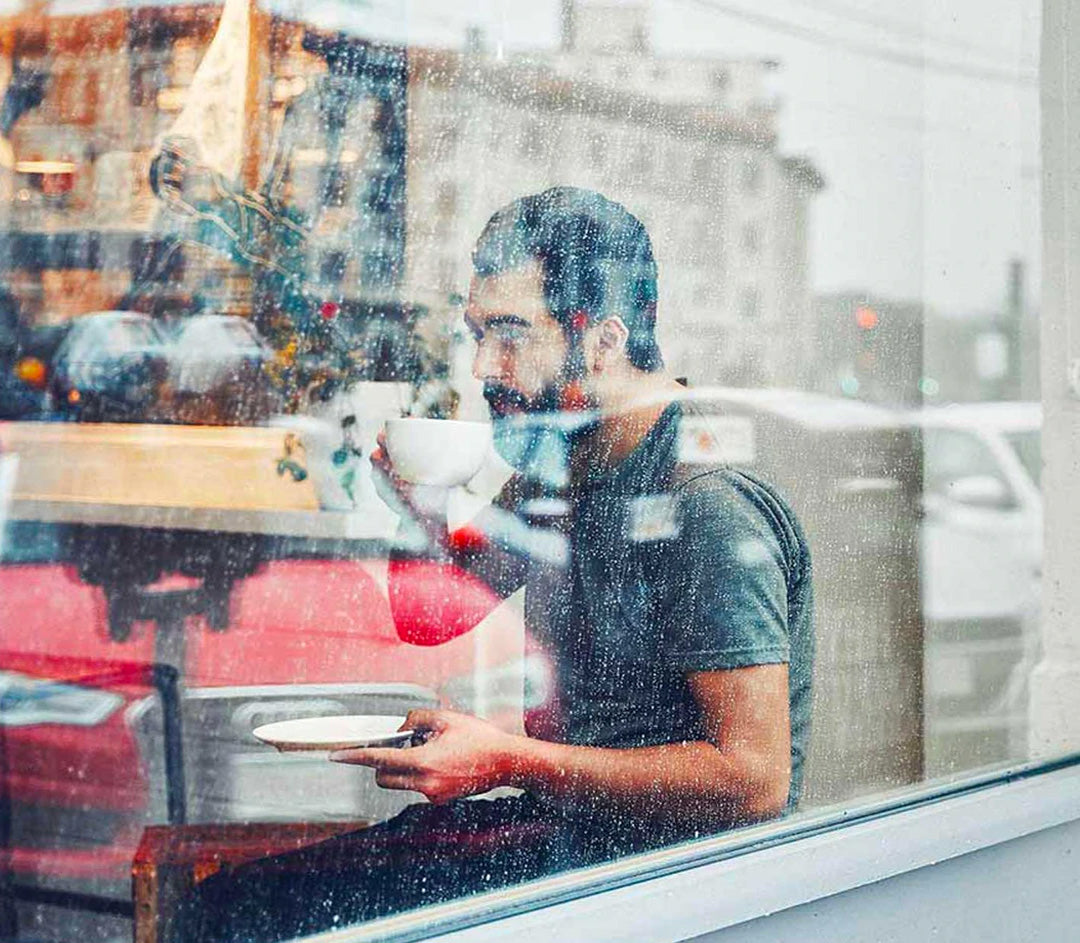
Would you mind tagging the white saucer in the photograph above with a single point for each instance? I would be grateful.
(335, 733)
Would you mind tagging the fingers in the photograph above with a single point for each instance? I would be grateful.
(393, 769)
(427, 720)
(380, 461)
(396, 781)
(384, 469)
(393, 491)
(380, 455)
(382, 758)
(431, 790)
(392, 758)
(380, 458)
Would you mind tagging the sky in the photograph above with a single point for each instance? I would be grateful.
(922, 116)
(932, 169)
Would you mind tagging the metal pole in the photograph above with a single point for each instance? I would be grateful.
(167, 681)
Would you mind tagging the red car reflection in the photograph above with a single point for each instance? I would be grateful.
(81, 781)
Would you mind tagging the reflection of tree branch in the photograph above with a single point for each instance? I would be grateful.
(173, 175)
(25, 91)
(274, 233)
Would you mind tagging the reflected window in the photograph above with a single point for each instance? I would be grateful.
(332, 267)
(335, 185)
(750, 175)
(749, 303)
(751, 238)
(447, 200)
(641, 163)
(596, 148)
(955, 456)
(1028, 447)
(701, 170)
(534, 141)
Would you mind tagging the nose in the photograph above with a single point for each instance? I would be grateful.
(485, 365)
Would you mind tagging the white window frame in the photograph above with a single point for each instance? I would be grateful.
(678, 894)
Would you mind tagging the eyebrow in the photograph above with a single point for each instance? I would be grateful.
(478, 327)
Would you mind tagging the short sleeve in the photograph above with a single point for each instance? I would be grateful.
(727, 602)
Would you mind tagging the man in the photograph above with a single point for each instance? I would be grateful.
(673, 598)
(682, 662)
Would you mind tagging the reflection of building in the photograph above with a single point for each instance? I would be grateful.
(687, 144)
(610, 43)
(694, 157)
(115, 83)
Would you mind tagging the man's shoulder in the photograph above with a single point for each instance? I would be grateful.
(725, 484)
(735, 501)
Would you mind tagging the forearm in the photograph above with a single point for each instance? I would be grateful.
(692, 782)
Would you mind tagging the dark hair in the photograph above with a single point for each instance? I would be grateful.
(595, 256)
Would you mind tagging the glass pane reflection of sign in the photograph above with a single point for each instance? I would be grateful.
(723, 440)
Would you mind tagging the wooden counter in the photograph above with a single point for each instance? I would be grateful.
(201, 467)
(204, 478)
(171, 860)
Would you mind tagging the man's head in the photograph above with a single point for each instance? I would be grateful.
(564, 290)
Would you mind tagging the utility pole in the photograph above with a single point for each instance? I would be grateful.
(567, 20)
(1012, 383)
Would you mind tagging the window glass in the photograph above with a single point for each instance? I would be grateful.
(447, 445)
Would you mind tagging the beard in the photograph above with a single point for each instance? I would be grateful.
(536, 434)
(504, 401)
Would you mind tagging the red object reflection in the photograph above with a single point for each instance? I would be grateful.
(866, 318)
(435, 602)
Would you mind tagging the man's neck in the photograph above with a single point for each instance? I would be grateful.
(628, 410)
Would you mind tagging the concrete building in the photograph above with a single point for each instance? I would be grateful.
(610, 42)
(693, 157)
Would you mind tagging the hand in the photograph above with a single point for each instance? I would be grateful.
(425, 502)
(392, 489)
(380, 458)
(389, 485)
(463, 756)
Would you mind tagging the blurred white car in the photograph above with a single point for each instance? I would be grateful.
(926, 530)
(108, 367)
(211, 350)
(982, 532)
(981, 561)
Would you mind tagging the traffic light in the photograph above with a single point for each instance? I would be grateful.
(866, 318)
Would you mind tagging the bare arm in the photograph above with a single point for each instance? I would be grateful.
(741, 773)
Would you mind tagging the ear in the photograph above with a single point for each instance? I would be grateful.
(611, 337)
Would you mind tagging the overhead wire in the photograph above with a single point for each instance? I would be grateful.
(898, 28)
(820, 37)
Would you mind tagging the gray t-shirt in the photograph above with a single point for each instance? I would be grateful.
(672, 568)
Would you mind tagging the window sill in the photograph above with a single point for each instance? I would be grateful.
(755, 872)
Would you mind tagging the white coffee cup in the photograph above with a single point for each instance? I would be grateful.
(438, 452)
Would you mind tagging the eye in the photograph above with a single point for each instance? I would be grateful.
(509, 334)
